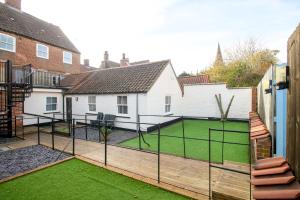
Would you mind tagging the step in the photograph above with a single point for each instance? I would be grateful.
(257, 133)
(258, 128)
(269, 162)
(290, 191)
(260, 136)
(275, 170)
(274, 179)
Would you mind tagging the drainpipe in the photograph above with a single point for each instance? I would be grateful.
(137, 112)
(63, 106)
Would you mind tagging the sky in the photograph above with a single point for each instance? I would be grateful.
(185, 31)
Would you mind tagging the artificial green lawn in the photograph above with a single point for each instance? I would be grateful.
(78, 180)
(199, 149)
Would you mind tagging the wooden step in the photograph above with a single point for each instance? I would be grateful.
(274, 179)
(275, 170)
(289, 191)
(269, 162)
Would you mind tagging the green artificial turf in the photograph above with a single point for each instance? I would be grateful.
(78, 180)
(199, 149)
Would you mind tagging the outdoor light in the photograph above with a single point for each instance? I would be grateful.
(283, 79)
(269, 89)
(76, 98)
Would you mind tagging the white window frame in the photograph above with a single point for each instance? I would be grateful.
(51, 104)
(90, 103)
(13, 44)
(64, 56)
(37, 51)
(122, 105)
(168, 103)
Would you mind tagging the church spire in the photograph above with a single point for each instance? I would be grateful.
(219, 59)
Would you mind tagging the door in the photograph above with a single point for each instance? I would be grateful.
(69, 108)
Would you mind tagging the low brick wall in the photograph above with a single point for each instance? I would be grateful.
(261, 142)
(263, 148)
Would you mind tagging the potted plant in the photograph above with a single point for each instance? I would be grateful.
(108, 132)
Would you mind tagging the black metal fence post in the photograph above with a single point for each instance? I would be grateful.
(38, 130)
(105, 143)
(183, 136)
(139, 132)
(223, 136)
(99, 130)
(73, 138)
(23, 128)
(52, 133)
(86, 132)
(158, 155)
(15, 125)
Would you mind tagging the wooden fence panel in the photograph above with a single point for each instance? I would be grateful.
(293, 101)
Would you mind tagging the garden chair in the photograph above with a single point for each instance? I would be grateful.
(110, 120)
(95, 123)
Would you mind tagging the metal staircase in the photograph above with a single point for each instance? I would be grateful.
(15, 86)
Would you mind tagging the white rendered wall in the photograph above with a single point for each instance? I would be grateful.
(108, 105)
(166, 85)
(36, 104)
(199, 100)
(264, 101)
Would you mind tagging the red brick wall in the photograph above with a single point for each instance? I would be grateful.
(254, 100)
(26, 54)
(263, 148)
(17, 110)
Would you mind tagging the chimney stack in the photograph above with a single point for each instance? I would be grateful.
(86, 62)
(124, 62)
(105, 56)
(14, 3)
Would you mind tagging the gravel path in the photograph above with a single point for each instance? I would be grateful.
(27, 158)
(117, 136)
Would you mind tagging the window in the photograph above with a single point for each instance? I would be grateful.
(42, 51)
(51, 104)
(67, 57)
(122, 105)
(167, 104)
(7, 43)
(92, 103)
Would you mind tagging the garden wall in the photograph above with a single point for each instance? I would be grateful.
(199, 100)
(265, 102)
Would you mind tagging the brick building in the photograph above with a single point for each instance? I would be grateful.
(25, 39)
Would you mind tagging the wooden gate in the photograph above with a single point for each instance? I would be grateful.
(293, 103)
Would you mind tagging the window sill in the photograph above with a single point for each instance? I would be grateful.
(168, 114)
(92, 113)
(51, 112)
(123, 116)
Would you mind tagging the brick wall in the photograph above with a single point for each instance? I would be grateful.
(17, 110)
(254, 100)
(263, 148)
(26, 54)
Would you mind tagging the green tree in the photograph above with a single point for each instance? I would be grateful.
(246, 64)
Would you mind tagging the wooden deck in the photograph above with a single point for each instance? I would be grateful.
(187, 174)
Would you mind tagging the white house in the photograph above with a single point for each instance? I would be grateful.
(147, 88)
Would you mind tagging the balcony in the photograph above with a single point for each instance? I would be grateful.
(46, 79)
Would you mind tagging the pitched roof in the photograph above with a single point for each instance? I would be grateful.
(21, 23)
(203, 78)
(84, 68)
(73, 79)
(132, 79)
